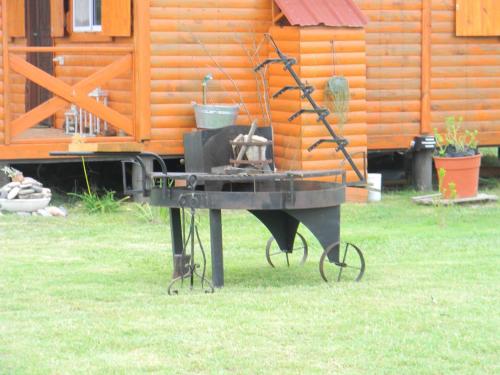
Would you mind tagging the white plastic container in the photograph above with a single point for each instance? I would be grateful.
(375, 182)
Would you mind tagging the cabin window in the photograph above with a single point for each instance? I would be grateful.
(477, 17)
(87, 16)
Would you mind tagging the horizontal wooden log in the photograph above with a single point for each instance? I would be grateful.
(465, 105)
(326, 71)
(215, 97)
(393, 84)
(393, 62)
(389, 5)
(393, 27)
(167, 73)
(393, 117)
(373, 39)
(460, 49)
(216, 4)
(465, 71)
(394, 15)
(451, 94)
(348, 130)
(391, 95)
(394, 50)
(328, 60)
(195, 26)
(400, 128)
(465, 82)
(391, 142)
(323, 34)
(204, 13)
(468, 115)
(393, 106)
(395, 72)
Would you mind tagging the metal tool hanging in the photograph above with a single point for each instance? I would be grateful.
(188, 265)
(322, 113)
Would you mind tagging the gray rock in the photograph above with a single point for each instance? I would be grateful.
(11, 185)
(43, 213)
(3, 194)
(37, 188)
(22, 213)
(27, 196)
(26, 191)
(63, 210)
(31, 181)
(36, 196)
(13, 193)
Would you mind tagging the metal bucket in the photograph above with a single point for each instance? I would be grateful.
(215, 116)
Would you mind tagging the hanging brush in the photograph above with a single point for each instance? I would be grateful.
(337, 94)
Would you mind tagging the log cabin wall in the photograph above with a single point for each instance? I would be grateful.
(321, 60)
(465, 76)
(189, 38)
(287, 136)
(2, 97)
(17, 83)
(73, 68)
(393, 73)
(316, 63)
(463, 73)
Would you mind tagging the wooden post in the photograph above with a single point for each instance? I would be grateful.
(425, 112)
(142, 69)
(6, 71)
(422, 170)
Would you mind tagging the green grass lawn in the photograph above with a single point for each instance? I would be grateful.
(87, 295)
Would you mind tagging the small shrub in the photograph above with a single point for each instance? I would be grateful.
(149, 214)
(456, 143)
(95, 204)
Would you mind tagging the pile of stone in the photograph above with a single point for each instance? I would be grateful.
(28, 188)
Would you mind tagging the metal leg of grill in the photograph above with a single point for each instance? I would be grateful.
(216, 248)
(177, 245)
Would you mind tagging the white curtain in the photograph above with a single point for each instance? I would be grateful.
(82, 13)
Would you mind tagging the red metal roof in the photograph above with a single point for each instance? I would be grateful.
(339, 13)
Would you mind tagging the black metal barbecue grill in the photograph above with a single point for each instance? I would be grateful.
(214, 180)
(280, 200)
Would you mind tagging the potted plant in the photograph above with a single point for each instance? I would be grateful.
(457, 160)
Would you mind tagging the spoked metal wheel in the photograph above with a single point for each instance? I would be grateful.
(351, 265)
(277, 257)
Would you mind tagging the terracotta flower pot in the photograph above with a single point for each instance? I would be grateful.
(463, 172)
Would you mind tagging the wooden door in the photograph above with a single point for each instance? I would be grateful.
(38, 34)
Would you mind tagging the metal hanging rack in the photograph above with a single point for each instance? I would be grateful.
(322, 112)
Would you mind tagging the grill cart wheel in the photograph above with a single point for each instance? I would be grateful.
(351, 265)
(298, 254)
